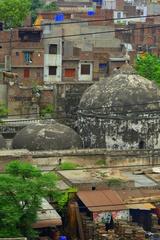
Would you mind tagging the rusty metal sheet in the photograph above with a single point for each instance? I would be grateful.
(127, 195)
(101, 200)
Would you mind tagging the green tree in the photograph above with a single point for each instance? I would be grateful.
(148, 66)
(14, 12)
(22, 187)
(51, 7)
(35, 5)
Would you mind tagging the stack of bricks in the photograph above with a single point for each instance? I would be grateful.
(106, 235)
(129, 231)
(155, 226)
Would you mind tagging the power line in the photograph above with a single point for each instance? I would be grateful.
(100, 32)
(92, 33)
(94, 20)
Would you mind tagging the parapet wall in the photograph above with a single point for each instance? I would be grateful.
(111, 158)
(121, 158)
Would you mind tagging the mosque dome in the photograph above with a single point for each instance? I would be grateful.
(124, 90)
(40, 136)
(121, 111)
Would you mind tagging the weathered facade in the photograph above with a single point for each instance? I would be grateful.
(40, 136)
(121, 112)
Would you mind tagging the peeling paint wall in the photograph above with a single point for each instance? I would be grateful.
(121, 112)
(120, 133)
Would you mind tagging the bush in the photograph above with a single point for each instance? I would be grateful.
(115, 182)
(68, 166)
(101, 162)
(3, 110)
(47, 111)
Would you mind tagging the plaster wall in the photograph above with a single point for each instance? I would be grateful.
(115, 133)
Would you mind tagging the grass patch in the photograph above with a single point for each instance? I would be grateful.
(68, 166)
(101, 162)
(115, 182)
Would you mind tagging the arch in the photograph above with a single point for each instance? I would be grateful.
(142, 144)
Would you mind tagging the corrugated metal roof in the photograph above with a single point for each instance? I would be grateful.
(47, 217)
(141, 206)
(127, 195)
(140, 180)
(104, 200)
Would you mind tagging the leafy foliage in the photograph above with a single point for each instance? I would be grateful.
(35, 5)
(148, 66)
(51, 6)
(47, 111)
(22, 188)
(115, 182)
(68, 166)
(63, 197)
(3, 110)
(101, 162)
(13, 12)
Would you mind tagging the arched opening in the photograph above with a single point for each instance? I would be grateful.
(142, 145)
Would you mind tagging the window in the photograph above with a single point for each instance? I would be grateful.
(52, 70)
(53, 49)
(85, 69)
(70, 72)
(102, 65)
(17, 54)
(28, 57)
(118, 14)
(26, 73)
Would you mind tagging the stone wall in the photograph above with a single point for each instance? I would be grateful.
(137, 132)
(120, 158)
(116, 158)
(7, 156)
(68, 96)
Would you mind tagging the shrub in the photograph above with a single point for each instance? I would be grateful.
(68, 166)
(3, 110)
(114, 182)
(47, 111)
(101, 162)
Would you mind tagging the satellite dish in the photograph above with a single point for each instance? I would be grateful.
(59, 17)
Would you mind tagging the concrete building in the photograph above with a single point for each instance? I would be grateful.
(52, 55)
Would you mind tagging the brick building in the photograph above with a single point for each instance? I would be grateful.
(27, 56)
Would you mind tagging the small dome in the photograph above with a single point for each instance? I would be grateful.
(40, 136)
(2, 142)
(125, 90)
